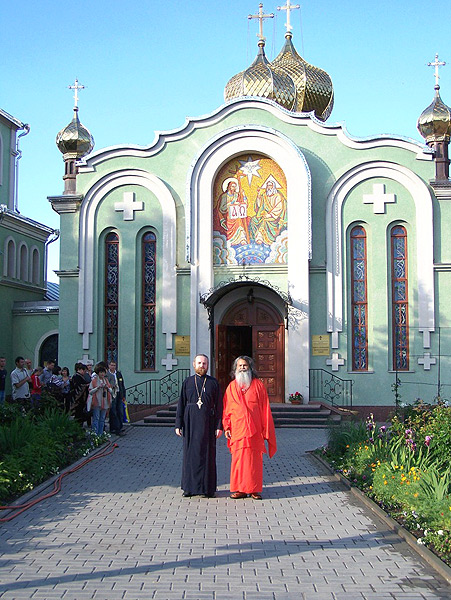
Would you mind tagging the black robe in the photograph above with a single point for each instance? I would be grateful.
(199, 440)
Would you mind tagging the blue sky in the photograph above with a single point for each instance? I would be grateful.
(148, 65)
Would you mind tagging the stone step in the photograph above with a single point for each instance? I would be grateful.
(284, 415)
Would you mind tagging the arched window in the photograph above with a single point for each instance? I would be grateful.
(111, 308)
(23, 265)
(49, 349)
(400, 299)
(35, 266)
(359, 302)
(148, 302)
(11, 259)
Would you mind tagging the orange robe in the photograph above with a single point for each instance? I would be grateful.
(248, 417)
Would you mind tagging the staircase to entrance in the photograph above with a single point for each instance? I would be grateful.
(330, 398)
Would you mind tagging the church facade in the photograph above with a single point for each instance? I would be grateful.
(260, 229)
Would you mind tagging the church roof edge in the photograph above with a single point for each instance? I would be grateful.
(306, 119)
(18, 124)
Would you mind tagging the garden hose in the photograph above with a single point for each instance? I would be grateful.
(20, 508)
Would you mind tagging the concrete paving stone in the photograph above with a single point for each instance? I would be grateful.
(157, 544)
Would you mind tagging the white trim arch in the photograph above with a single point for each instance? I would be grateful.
(199, 201)
(88, 242)
(9, 262)
(424, 242)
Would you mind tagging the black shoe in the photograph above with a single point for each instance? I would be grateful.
(209, 496)
(187, 495)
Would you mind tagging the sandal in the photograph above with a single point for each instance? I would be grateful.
(238, 495)
(256, 496)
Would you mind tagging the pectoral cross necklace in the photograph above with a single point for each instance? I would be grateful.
(199, 396)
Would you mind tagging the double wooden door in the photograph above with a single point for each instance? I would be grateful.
(254, 329)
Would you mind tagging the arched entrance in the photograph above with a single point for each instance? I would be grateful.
(254, 328)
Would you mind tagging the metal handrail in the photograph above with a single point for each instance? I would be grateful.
(157, 392)
(331, 388)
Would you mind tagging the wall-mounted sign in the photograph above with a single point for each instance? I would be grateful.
(182, 345)
(321, 345)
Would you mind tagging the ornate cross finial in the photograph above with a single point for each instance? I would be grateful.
(261, 16)
(76, 87)
(437, 63)
(288, 7)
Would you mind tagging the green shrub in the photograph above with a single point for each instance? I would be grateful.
(341, 438)
(36, 445)
(16, 434)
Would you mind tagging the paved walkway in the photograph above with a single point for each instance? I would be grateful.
(120, 529)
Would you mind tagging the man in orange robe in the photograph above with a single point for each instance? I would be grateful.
(247, 422)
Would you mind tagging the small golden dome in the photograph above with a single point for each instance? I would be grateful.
(434, 123)
(74, 141)
(314, 90)
(264, 81)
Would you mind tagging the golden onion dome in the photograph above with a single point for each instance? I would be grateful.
(264, 81)
(74, 141)
(434, 123)
(314, 90)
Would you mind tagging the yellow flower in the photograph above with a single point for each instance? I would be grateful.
(385, 482)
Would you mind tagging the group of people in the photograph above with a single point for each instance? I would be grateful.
(243, 414)
(90, 394)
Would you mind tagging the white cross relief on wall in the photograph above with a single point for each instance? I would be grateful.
(86, 360)
(169, 362)
(379, 198)
(129, 206)
(427, 360)
(335, 361)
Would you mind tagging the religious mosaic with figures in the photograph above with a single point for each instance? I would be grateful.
(250, 212)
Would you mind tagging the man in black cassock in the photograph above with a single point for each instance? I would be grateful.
(199, 421)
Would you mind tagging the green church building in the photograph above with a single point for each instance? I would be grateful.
(29, 324)
(262, 229)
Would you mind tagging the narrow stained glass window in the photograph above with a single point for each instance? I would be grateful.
(359, 303)
(400, 299)
(111, 297)
(148, 303)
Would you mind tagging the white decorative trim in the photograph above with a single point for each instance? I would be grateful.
(7, 259)
(427, 360)
(128, 206)
(379, 198)
(199, 202)
(335, 361)
(87, 246)
(169, 362)
(424, 241)
(421, 151)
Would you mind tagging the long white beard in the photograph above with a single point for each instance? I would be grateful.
(244, 379)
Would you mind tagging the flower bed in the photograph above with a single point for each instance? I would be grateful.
(404, 468)
(35, 443)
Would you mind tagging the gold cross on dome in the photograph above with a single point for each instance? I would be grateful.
(288, 7)
(260, 17)
(76, 87)
(437, 63)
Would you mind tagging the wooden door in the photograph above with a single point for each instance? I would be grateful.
(257, 330)
(268, 359)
